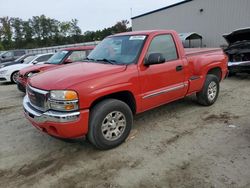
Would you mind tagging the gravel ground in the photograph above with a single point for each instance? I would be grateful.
(180, 144)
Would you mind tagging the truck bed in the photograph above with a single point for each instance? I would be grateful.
(196, 51)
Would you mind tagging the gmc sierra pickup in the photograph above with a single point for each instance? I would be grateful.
(124, 75)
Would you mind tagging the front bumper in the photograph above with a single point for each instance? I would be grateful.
(21, 84)
(4, 78)
(60, 124)
(239, 69)
(20, 87)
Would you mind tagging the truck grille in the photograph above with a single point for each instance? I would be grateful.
(37, 98)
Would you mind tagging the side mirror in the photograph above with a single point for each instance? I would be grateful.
(35, 62)
(21, 61)
(154, 58)
(3, 56)
(67, 61)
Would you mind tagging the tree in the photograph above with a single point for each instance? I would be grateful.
(42, 31)
(6, 31)
(17, 25)
(75, 29)
(1, 47)
(121, 26)
(36, 25)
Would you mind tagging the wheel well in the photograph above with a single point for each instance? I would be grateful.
(13, 74)
(216, 71)
(125, 96)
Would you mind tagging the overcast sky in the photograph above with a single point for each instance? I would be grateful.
(92, 15)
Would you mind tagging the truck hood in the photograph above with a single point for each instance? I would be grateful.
(36, 68)
(66, 76)
(237, 36)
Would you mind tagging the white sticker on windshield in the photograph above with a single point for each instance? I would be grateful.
(137, 37)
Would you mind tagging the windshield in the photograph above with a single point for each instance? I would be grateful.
(2, 52)
(58, 57)
(28, 59)
(118, 49)
(20, 58)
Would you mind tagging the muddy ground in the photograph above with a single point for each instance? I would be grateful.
(180, 144)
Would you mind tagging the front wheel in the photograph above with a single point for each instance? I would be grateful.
(210, 91)
(14, 77)
(110, 123)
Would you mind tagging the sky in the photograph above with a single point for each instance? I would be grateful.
(92, 15)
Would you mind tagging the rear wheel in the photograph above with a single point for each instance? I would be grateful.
(110, 123)
(14, 77)
(209, 93)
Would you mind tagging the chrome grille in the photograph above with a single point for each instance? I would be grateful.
(37, 98)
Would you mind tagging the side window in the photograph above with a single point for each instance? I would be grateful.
(8, 54)
(46, 57)
(43, 58)
(77, 56)
(88, 52)
(165, 45)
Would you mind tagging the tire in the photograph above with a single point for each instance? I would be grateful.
(13, 78)
(104, 133)
(210, 91)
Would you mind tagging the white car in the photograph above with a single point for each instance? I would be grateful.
(10, 73)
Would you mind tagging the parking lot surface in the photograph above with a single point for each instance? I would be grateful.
(180, 144)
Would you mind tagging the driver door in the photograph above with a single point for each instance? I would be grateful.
(162, 83)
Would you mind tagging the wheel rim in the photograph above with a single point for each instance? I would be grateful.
(212, 91)
(14, 77)
(113, 125)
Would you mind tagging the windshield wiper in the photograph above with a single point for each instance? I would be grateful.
(110, 61)
(88, 59)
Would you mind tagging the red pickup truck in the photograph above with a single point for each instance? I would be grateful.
(124, 75)
(64, 56)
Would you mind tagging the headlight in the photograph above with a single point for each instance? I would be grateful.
(63, 100)
(30, 74)
(63, 95)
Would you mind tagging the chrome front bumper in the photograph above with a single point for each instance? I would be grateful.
(50, 115)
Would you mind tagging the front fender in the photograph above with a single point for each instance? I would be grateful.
(90, 98)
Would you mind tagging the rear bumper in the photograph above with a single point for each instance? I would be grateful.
(59, 124)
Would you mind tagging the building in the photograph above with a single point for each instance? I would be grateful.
(209, 18)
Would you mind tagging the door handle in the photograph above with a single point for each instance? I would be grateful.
(179, 68)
